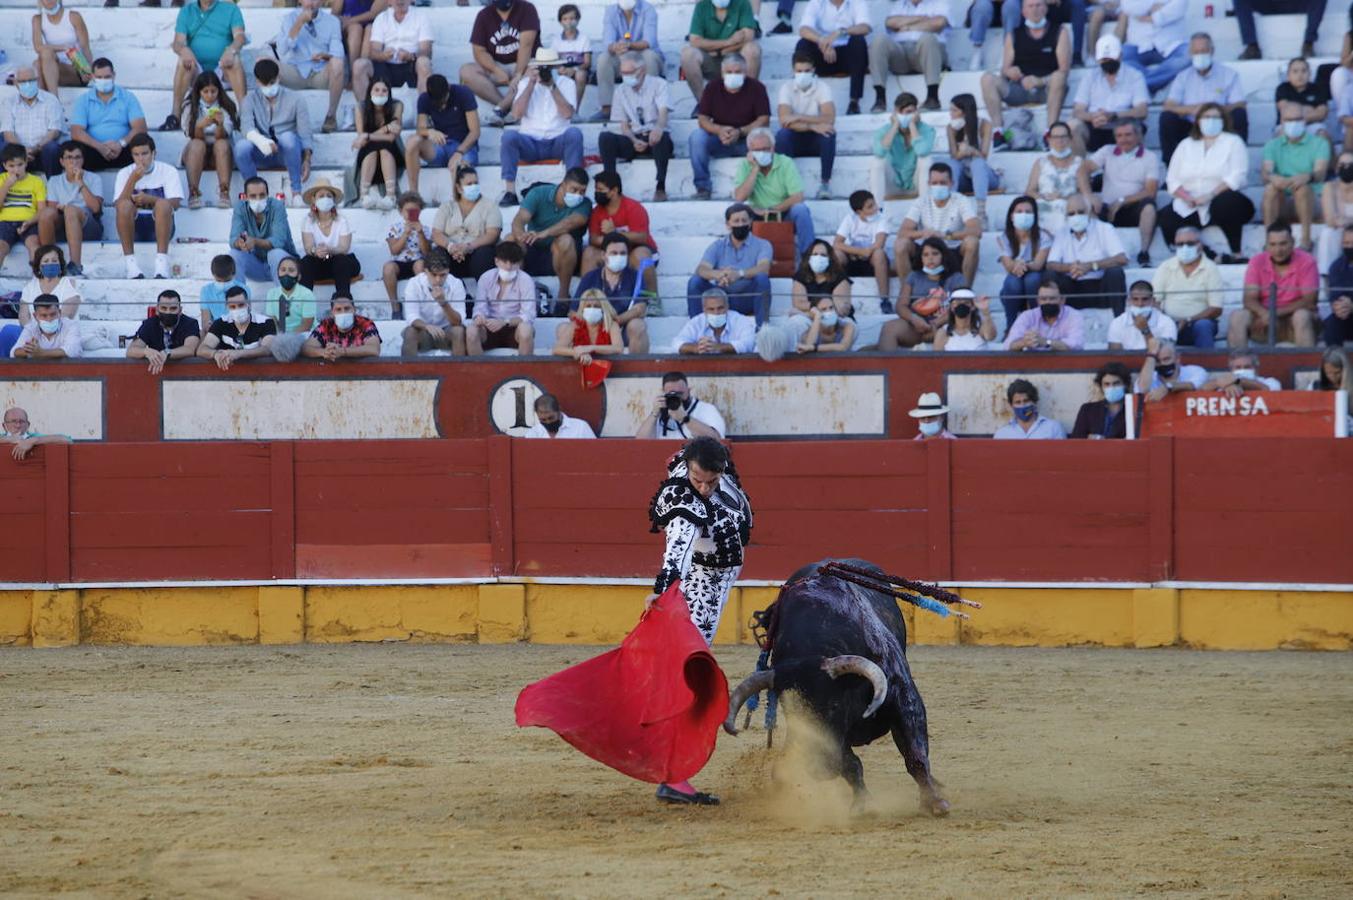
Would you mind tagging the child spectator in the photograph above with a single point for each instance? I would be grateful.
(22, 194)
(859, 242)
(211, 300)
(899, 144)
(409, 241)
(574, 49)
(146, 194)
(209, 120)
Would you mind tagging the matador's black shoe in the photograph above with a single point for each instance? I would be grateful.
(671, 795)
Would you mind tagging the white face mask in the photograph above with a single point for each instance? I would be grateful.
(1247, 374)
(957, 124)
(616, 262)
(258, 206)
(1186, 253)
(50, 326)
(1202, 61)
(630, 81)
(239, 315)
(626, 5)
(1210, 126)
(828, 318)
(803, 80)
(716, 320)
(819, 263)
(325, 203)
(763, 157)
(380, 99)
(1294, 129)
(344, 320)
(592, 315)
(102, 85)
(470, 191)
(1062, 153)
(904, 120)
(930, 428)
(571, 200)
(506, 273)
(1140, 312)
(269, 90)
(1078, 222)
(734, 80)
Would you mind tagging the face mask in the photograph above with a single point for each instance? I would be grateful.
(1186, 253)
(819, 264)
(617, 262)
(592, 315)
(740, 232)
(571, 200)
(1063, 153)
(1078, 222)
(50, 326)
(734, 80)
(380, 99)
(957, 124)
(50, 270)
(51, 11)
(239, 315)
(1246, 374)
(1050, 311)
(721, 4)
(1026, 413)
(506, 274)
(1348, 253)
(1165, 370)
(102, 85)
(962, 310)
(270, 90)
(257, 207)
(601, 199)
(470, 191)
(626, 5)
(930, 429)
(287, 282)
(1210, 126)
(28, 89)
(1346, 173)
(904, 119)
(828, 318)
(940, 192)
(168, 320)
(630, 81)
(1031, 24)
(1139, 312)
(503, 5)
(1110, 66)
(1202, 61)
(344, 320)
(552, 427)
(763, 158)
(1294, 129)
(1114, 393)
(932, 270)
(1022, 220)
(803, 80)
(716, 320)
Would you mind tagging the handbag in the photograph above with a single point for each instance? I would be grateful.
(781, 236)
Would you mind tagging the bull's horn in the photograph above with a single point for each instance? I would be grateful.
(754, 684)
(858, 665)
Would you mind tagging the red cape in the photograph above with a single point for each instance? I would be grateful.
(651, 708)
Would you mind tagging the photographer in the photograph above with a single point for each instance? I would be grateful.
(676, 414)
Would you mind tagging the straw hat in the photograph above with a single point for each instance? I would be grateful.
(322, 185)
(546, 56)
(929, 405)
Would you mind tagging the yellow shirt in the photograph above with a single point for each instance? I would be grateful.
(23, 199)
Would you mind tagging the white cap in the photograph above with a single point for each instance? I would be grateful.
(1108, 47)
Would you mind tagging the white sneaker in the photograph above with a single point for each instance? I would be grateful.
(161, 265)
(296, 201)
(388, 201)
(133, 270)
(370, 200)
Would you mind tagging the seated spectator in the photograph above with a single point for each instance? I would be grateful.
(409, 241)
(833, 36)
(61, 40)
(326, 237)
(378, 120)
(211, 300)
(590, 331)
(614, 213)
(19, 432)
(574, 49)
(468, 226)
(1245, 10)
(549, 227)
(1035, 64)
(276, 130)
(1109, 92)
(638, 120)
(1087, 260)
(1336, 204)
(343, 334)
(820, 277)
(718, 31)
(239, 334)
(260, 235)
(807, 117)
(503, 38)
(1105, 419)
(436, 303)
(1141, 321)
(859, 242)
(941, 213)
(770, 184)
(208, 37)
(1204, 81)
(1024, 246)
(1299, 94)
(1295, 164)
(901, 143)
(739, 264)
(552, 423)
(729, 110)
(677, 414)
(923, 304)
(1156, 44)
(970, 326)
(49, 278)
(146, 195)
(929, 414)
(1057, 176)
(73, 207)
(1297, 279)
(628, 26)
(505, 306)
(1205, 178)
(914, 39)
(1057, 14)
(545, 106)
(1338, 327)
(210, 120)
(969, 147)
(168, 334)
(22, 196)
(355, 18)
(1027, 424)
(1333, 371)
(618, 281)
(1241, 375)
(828, 331)
(399, 51)
(717, 329)
(1052, 326)
(448, 129)
(290, 303)
(34, 119)
(1164, 373)
(1131, 179)
(49, 335)
(105, 118)
(310, 54)
(1190, 291)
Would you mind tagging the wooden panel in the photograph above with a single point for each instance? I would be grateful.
(217, 492)
(397, 489)
(170, 529)
(226, 460)
(220, 563)
(360, 528)
(377, 560)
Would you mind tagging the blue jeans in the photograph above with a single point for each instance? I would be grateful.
(288, 156)
(1201, 334)
(1158, 70)
(448, 150)
(1245, 10)
(1018, 293)
(974, 174)
(517, 146)
(750, 296)
(250, 266)
(704, 145)
(808, 143)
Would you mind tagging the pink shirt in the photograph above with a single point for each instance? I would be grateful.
(1302, 276)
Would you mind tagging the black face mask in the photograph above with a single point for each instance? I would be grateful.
(553, 427)
(740, 232)
(602, 199)
(168, 320)
(1110, 66)
(1348, 253)
(504, 5)
(1050, 311)
(1346, 174)
(1165, 370)
(962, 310)
(287, 281)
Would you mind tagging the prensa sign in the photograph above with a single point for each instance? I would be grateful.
(1222, 405)
(1252, 414)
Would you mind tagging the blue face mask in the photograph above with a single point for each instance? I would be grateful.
(1034, 26)
(50, 270)
(28, 89)
(1115, 393)
(1210, 126)
(1026, 413)
(940, 192)
(1023, 220)
(572, 200)
(471, 191)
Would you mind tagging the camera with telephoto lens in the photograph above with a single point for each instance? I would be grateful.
(546, 75)
(674, 400)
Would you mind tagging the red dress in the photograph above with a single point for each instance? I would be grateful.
(581, 338)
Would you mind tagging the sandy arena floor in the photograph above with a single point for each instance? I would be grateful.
(396, 771)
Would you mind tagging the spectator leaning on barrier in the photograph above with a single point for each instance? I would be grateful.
(1241, 375)
(343, 334)
(717, 329)
(210, 121)
(146, 195)
(739, 263)
(48, 264)
(22, 196)
(1285, 276)
(436, 308)
(211, 300)
(169, 334)
(900, 143)
(820, 277)
(1190, 291)
(1087, 260)
(719, 29)
(552, 423)
(105, 118)
(617, 214)
(914, 39)
(505, 306)
(730, 109)
(208, 37)
(448, 130)
(503, 38)
(310, 53)
(1107, 93)
(770, 184)
(1338, 327)
(1105, 419)
(260, 235)
(941, 213)
(678, 414)
(833, 35)
(34, 120)
(929, 415)
(828, 330)
(549, 227)
(1164, 373)
(628, 26)
(544, 106)
(289, 302)
(399, 51)
(237, 335)
(1140, 322)
(1027, 424)
(859, 243)
(409, 241)
(590, 331)
(1131, 181)
(1294, 168)
(1205, 81)
(1035, 64)
(18, 431)
(1052, 325)
(639, 120)
(73, 207)
(468, 226)
(276, 129)
(807, 117)
(618, 281)
(970, 326)
(49, 335)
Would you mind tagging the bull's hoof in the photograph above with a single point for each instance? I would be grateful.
(937, 806)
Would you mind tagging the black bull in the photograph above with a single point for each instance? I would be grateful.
(822, 628)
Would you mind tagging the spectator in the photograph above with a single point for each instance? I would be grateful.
(901, 143)
(1336, 204)
(1189, 285)
(1338, 328)
(719, 30)
(1140, 322)
(1024, 247)
(436, 303)
(1027, 423)
(628, 26)
(343, 334)
(618, 281)
(49, 335)
(828, 331)
(399, 51)
(276, 129)
(448, 129)
(940, 213)
(1052, 326)
(549, 227)
(545, 106)
(1241, 375)
(1333, 371)
(591, 331)
(929, 414)
(1108, 93)
(145, 195)
(969, 147)
(505, 306)
(677, 414)
(807, 121)
(859, 242)
(739, 264)
(260, 233)
(502, 40)
(1035, 64)
(49, 278)
(833, 35)
(1206, 175)
(639, 119)
(1245, 10)
(970, 326)
(290, 303)
(1283, 279)
(769, 182)
(1308, 98)
(923, 304)
(1204, 81)
(34, 119)
(1105, 419)
(1131, 180)
(61, 40)
(409, 241)
(729, 111)
(211, 300)
(105, 118)
(1087, 260)
(717, 329)
(327, 239)
(916, 32)
(1163, 373)
(1058, 13)
(355, 18)
(168, 334)
(208, 37)
(1295, 164)
(1156, 44)
(575, 50)
(238, 334)
(18, 432)
(614, 213)
(309, 51)
(73, 207)
(209, 122)
(1056, 177)
(22, 196)
(468, 226)
(820, 277)
(552, 423)
(379, 119)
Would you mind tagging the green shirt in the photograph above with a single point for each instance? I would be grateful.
(902, 158)
(300, 305)
(539, 202)
(209, 33)
(1299, 158)
(774, 187)
(707, 25)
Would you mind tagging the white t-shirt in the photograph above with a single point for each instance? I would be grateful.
(804, 103)
(571, 50)
(65, 290)
(406, 35)
(337, 231)
(1123, 329)
(945, 219)
(825, 17)
(163, 180)
(569, 427)
(858, 233)
(703, 411)
(970, 341)
(542, 119)
(419, 301)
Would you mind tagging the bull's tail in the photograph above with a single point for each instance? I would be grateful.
(789, 674)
